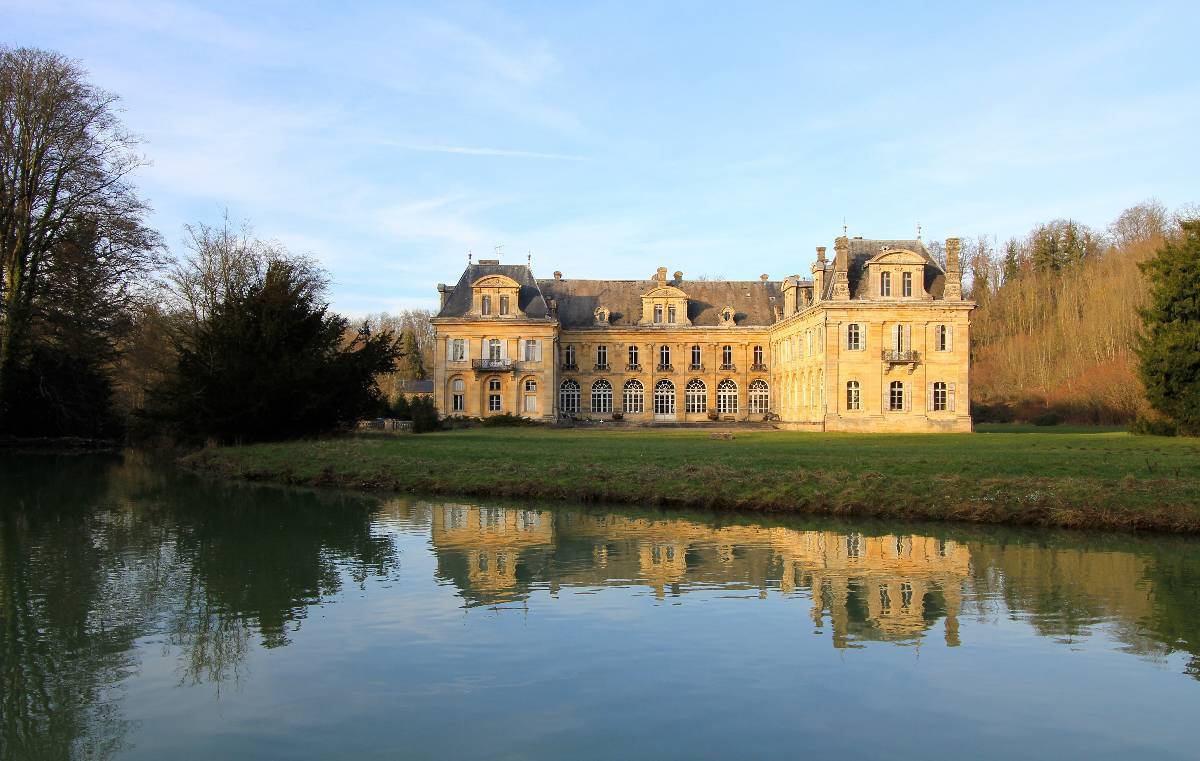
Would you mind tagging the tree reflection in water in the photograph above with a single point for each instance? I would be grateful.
(99, 553)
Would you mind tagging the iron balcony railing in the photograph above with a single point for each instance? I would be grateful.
(665, 369)
(600, 366)
(901, 357)
(499, 365)
(696, 368)
(633, 367)
(758, 367)
(570, 366)
(729, 366)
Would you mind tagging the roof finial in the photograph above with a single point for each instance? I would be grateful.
(918, 230)
(529, 258)
(469, 252)
(844, 228)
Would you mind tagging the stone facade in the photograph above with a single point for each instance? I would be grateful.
(875, 340)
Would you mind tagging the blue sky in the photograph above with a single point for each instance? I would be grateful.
(725, 139)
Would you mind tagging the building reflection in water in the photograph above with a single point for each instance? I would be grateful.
(863, 588)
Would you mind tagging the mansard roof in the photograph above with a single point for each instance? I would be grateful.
(753, 301)
(529, 298)
(863, 250)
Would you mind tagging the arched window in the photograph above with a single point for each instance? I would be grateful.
(760, 397)
(664, 356)
(458, 399)
(695, 396)
(940, 401)
(531, 387)
(727, 397)
(853, 337)
(885, 284)
(664, 398)
(727, 357)
(568, 397)
(602, 397)
(634, 400)
(896, 396)
(758, 356)
(494, 402)
(853, 396)
(569, 356)
(633, 356)
(696, 357)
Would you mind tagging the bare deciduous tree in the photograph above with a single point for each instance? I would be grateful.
(65, 159)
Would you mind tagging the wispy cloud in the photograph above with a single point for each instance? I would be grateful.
(476, 151)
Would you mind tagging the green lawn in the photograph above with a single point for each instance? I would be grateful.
(1044, 476)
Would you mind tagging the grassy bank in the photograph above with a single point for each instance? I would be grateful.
(1081, 479)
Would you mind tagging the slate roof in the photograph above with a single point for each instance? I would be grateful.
(753, 301)
(529, 298)
(862, 251)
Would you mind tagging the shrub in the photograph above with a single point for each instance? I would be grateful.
(1049, 418)
(618, 416)
(507, 421)
(996, 412)
(400, 408)
(1144, 425)
(424, 415)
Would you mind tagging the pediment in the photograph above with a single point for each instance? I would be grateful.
(495, 281)
(897, 256)
(665, 292)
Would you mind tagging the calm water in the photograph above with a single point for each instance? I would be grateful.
(146, 613)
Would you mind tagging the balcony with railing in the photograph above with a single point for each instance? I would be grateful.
(906, 357)
(600, 366)
(665, 369)
(493, 365)
(633, 367)
(728, 367)
(758, 367)
(694, 368)
(570, 366)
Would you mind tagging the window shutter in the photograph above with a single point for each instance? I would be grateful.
(907, 397)
(907, 337)
(449, 348)
(949, 338)
(929, 399)
(503, 348)
(950, 396)
(467, 349)
(537, 351)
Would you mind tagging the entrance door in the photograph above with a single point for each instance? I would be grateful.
(664, 400)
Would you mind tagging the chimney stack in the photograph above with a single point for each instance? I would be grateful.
(953, 289)
(557, 275)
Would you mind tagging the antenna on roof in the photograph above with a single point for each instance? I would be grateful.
(468, 257)
(918, 231)
(844, 228)
(498, 251)
(529, 258)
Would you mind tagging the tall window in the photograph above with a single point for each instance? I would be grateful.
(531, 350)
(940, 398)
(602, 396)
(568, 397)
(664, 356)
(657, 313)
(758, 355)
(853, 396)
(885, 284)
(696, 355)
(602, 356)
(494, 395)
(458, 402)
(458, 350)
(664, 398)
(671, 314)
(726, 355)
(898, 337)
(760, 397)
(906, 284)
(485, 304)
(941, 338)
(634, 400)
(569, 355)
(695, 396)
(854, 337)
(494, 349)
(896, 396)
(503, 305)
(633, 355)
(727, 397)
(530, 395)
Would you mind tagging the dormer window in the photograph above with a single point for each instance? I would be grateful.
(503, 305)
(671, 314)
(601, 316)
(885, 284)
(495, 295)
(658, 314)
(485, 305)
(906, 285)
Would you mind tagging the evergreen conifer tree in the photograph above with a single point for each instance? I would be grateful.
(1170, 343)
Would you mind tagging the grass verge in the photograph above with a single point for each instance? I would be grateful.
(1100, 480)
